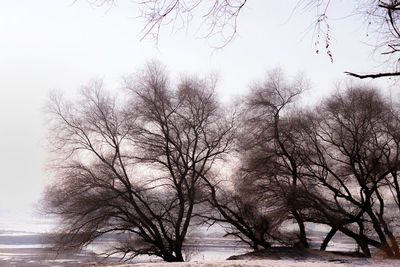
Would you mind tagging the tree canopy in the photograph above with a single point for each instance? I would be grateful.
(135, 168)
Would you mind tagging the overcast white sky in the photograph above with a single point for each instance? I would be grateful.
(54, 44)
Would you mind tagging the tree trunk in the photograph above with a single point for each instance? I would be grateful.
(302, 229)
(362, 242)
(178, 255)
(364, 247)
(328, 238)
(173, 258)
(262, 243)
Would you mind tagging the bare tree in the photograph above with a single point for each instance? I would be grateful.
(271, 149)
(351, 156)
(133, 168)
(336, 165)
(237, 212)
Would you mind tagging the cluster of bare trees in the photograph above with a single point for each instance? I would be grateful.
(335, 164)
(146, 167)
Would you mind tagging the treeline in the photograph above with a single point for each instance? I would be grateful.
(146, 163)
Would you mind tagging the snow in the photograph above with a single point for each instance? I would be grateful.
(267, 263)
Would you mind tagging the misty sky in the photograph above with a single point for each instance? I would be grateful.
(55, 44)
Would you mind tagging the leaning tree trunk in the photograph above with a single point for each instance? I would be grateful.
(302, 229)
(328, 238)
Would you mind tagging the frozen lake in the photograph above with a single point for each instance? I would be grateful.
(23, 243)
(31, 249)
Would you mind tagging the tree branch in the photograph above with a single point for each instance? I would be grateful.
(373, 76)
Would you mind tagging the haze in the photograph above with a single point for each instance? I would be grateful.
(61, 45)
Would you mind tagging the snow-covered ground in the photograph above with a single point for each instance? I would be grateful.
(279, 257)
(268, 263)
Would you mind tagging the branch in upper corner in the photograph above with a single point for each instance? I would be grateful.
(373, 76)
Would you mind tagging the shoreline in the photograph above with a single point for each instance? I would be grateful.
(274, 257)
